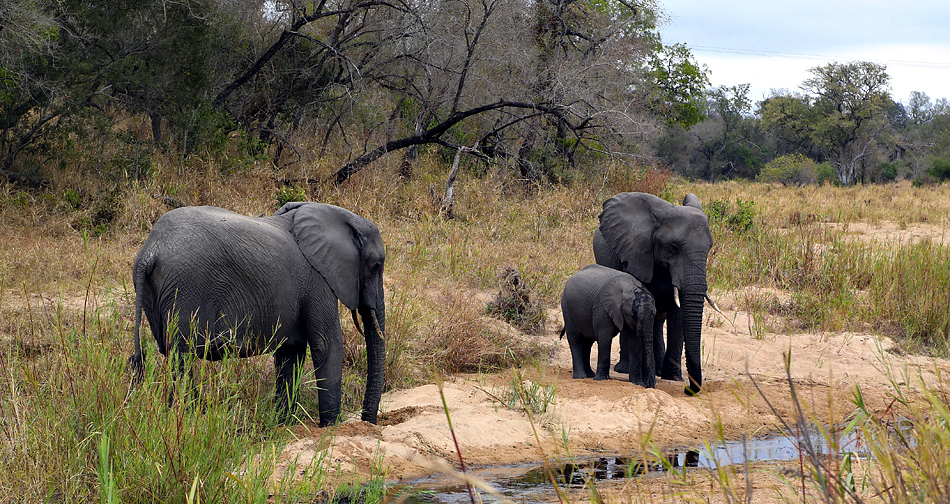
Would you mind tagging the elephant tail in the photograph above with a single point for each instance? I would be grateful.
(561, 335)
(144, 264)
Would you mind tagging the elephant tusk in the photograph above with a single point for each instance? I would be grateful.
(713, 304)
(676, 296)
(372, 314)
(356, 322)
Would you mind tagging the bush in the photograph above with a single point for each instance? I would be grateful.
(790, 169)
(288, 194)
(825, 173)
(515, 303)
(939, 169)
(888, 172)
(739, 221)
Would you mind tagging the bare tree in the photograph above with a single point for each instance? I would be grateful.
(507, 74)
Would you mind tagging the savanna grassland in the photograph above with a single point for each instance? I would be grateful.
(822, 260)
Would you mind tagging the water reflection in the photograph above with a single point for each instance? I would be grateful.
(532, 482)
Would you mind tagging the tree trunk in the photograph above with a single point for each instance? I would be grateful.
(156, 118)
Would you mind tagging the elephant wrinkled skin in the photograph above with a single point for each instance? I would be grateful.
(665, 246)
(599, 302)
(215, 283)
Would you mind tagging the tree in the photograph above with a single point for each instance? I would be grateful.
(30, 85)
(727, 144)
(790, 169)
(536, 85)
(677, 86)
(735, 150)
(788, 118)
(919, 108)
(842, 115)
(533, 83)
(849, 103)
(70, 60)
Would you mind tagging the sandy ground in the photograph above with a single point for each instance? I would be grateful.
(615, 417)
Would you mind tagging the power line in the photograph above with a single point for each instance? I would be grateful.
(753, 52)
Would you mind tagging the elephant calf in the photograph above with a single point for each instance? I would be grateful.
(599, 302)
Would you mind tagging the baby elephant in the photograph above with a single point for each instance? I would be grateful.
(597, 303)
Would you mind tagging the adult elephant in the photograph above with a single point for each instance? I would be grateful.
(215, 283)
(665, 246)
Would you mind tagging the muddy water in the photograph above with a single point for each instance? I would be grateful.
(532, 483)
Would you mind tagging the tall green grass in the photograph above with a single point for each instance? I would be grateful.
(898, 456)
(73, 431)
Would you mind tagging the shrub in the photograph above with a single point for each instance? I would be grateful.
(888, 172)
(790, 169)
(739, 220)
(464, 340)
(825, 173)
(515, 304)
(939, 169)
(649, 180)
(290, 193)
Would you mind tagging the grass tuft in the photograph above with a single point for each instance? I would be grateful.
(516, 304)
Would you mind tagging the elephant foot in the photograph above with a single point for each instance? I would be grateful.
(581, 376)
(646, 382)
(691, 390)
(674, 376)
(330, 420)
(601, 378)
(622, 367)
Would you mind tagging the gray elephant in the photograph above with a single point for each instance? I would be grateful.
(599, 302)
(215, 283)
(664, 246)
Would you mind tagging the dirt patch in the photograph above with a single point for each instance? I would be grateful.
(614, 416)
(895, 233)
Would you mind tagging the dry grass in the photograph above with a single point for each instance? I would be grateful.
(66, 255)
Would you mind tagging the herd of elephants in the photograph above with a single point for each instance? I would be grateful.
(214, 283)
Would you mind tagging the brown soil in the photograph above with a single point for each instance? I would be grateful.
(613, 416)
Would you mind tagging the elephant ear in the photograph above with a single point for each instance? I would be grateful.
(613, 299)
(327, 238)
(691, 200)
(627, 224)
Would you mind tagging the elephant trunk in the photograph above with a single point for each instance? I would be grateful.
(374, 331)
(692, 299)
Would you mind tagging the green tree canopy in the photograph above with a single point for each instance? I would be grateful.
(678, 84)
(850, 103)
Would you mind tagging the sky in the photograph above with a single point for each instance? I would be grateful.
(772, 44)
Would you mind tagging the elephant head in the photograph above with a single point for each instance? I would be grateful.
(348, 251)
(665, 246)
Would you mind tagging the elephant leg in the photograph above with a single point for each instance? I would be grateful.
(634, 357)
(603, 358)
(623, 365)
(672, 359)
(179, 362)
(580, 355)
(642, 365)
(326, 350)
(287, 363)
